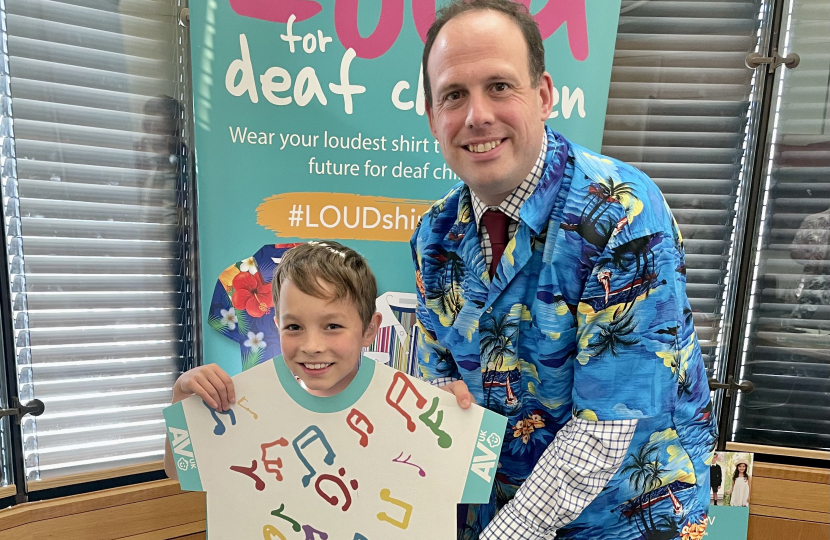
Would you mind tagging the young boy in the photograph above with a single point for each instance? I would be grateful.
(324, 295)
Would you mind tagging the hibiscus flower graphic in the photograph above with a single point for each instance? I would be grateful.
(251, 294)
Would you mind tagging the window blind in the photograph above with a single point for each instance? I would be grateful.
(6, 476)
(95, 186)
(787, 354)
(678, 110)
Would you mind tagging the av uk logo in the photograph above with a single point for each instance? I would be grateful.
(484, 459)
(180, 442)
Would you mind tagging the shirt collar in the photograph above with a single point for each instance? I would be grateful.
(513, 203)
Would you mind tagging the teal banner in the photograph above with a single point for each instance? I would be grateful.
(727, 523)
(310, 124)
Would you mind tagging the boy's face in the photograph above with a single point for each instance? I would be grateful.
(321, 339)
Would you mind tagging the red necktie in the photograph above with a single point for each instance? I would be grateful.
(495, 221)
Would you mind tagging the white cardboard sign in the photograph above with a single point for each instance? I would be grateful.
(386, 459)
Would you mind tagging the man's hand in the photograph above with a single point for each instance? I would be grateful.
(210, 383)
(461, 393)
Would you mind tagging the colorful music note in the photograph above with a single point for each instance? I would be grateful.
(420, 400)
(249, 472)
(444, 439)
(269, 531)
(332, 500)
(315, 434)
(353, 419)
(278, 513)
(386, 495)
(269, 462)
(220, 427)
(421, 472)
(311, 531)
(255, 415)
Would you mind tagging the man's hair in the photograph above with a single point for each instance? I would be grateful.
(313, 265)
(516, 12)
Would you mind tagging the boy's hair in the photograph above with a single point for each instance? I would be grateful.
(344, 269)
(515, 11)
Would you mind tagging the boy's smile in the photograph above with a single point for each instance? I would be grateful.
(321, 338)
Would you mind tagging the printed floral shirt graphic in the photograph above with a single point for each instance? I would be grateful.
(387, 458)
(242, 308)
(586, 316)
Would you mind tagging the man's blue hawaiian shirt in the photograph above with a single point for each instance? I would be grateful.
(586, 316)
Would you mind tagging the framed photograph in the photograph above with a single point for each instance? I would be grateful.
(730, 477)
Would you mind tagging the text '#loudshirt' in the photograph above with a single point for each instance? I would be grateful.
(388, 458)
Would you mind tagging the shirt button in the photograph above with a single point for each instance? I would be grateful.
(490, 309)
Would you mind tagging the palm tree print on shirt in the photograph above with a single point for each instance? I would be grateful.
(449, 292)
(601, 197)
(498, 338)
(498, 342)
(645, 470)
(604, 194)
(614, 335)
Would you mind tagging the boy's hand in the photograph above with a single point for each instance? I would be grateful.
(210, 383)
(461, 393)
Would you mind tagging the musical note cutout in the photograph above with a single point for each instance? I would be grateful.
(269, 532)
(317, 435)
(249, 472)
(421, 472)
(311, 531)
(220, 426)
(277, 463)
(420, 400)
(255, 415)
(333, 500)
(278, 513)
(353, 419)
(444, 439)
(386, 495)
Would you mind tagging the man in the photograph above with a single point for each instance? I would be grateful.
(551, 287)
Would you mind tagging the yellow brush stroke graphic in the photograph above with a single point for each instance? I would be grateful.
(341, 216)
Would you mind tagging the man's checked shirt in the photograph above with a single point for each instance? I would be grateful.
(582, 338)
(510, 206)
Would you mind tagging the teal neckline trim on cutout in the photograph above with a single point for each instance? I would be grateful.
(331, 404)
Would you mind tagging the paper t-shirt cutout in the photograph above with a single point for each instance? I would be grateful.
(386, 459)
(242, 309)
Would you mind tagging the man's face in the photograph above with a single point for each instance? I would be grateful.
(485, 113)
